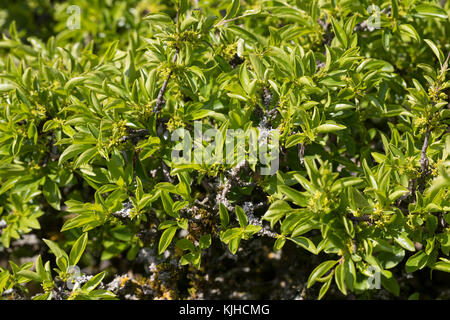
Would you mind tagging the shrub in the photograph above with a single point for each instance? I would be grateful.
(341, 109)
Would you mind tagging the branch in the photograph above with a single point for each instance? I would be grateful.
(364, 218)
(301, 152)
(160, 99)
(266, 99)
(424, 160)
(328, 37)
(411, 193)
(423, 157)
(135, 135)
(231, 179)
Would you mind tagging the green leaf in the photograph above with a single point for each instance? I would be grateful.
(324, 288)
(232, 9)
(394, 6)
(350, 273)
(234, 245)
(409, 31)
(224, 216)
(442, 266)
(257, 65)
(304, 243)
(166, 239)
(74, 81)
(183, 223)
(416, 262)
(78, 248)
(205, 241)
(159, 18)
(437, 52)
(329, 127)
(72, 151)
(185, 244)
(40, 268)
(389, 282)
(29, 275)
(178, 205)
(4, 277)
(244, 78)
(405, 242)
(295, 196)
(168, 204)
(345, 182)
(251, 229)
(294, 140)
(52, 193)
(5, 87)
(231, 234)
(369, 175)
(320, 270)
(339, 277)
(386, 39)
(279, 243)
(242, 217)
(80, 221)
(431, 223)
(339, 32)
(94, 281)
(85, 157)
(167, 224)
(277, 210)
(55, 249)
(429, 10)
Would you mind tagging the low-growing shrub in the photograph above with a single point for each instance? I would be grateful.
(157, 139)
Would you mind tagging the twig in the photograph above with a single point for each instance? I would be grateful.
(135, 135)
(166, 173)
(301, 152)
(266, 98)
(411, 187)
(364, 218)
(160, 99)
(53, 151)
(328, 37)
(232, 178)
(424, 163)
(424, 160)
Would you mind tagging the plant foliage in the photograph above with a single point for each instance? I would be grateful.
(357, 91)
